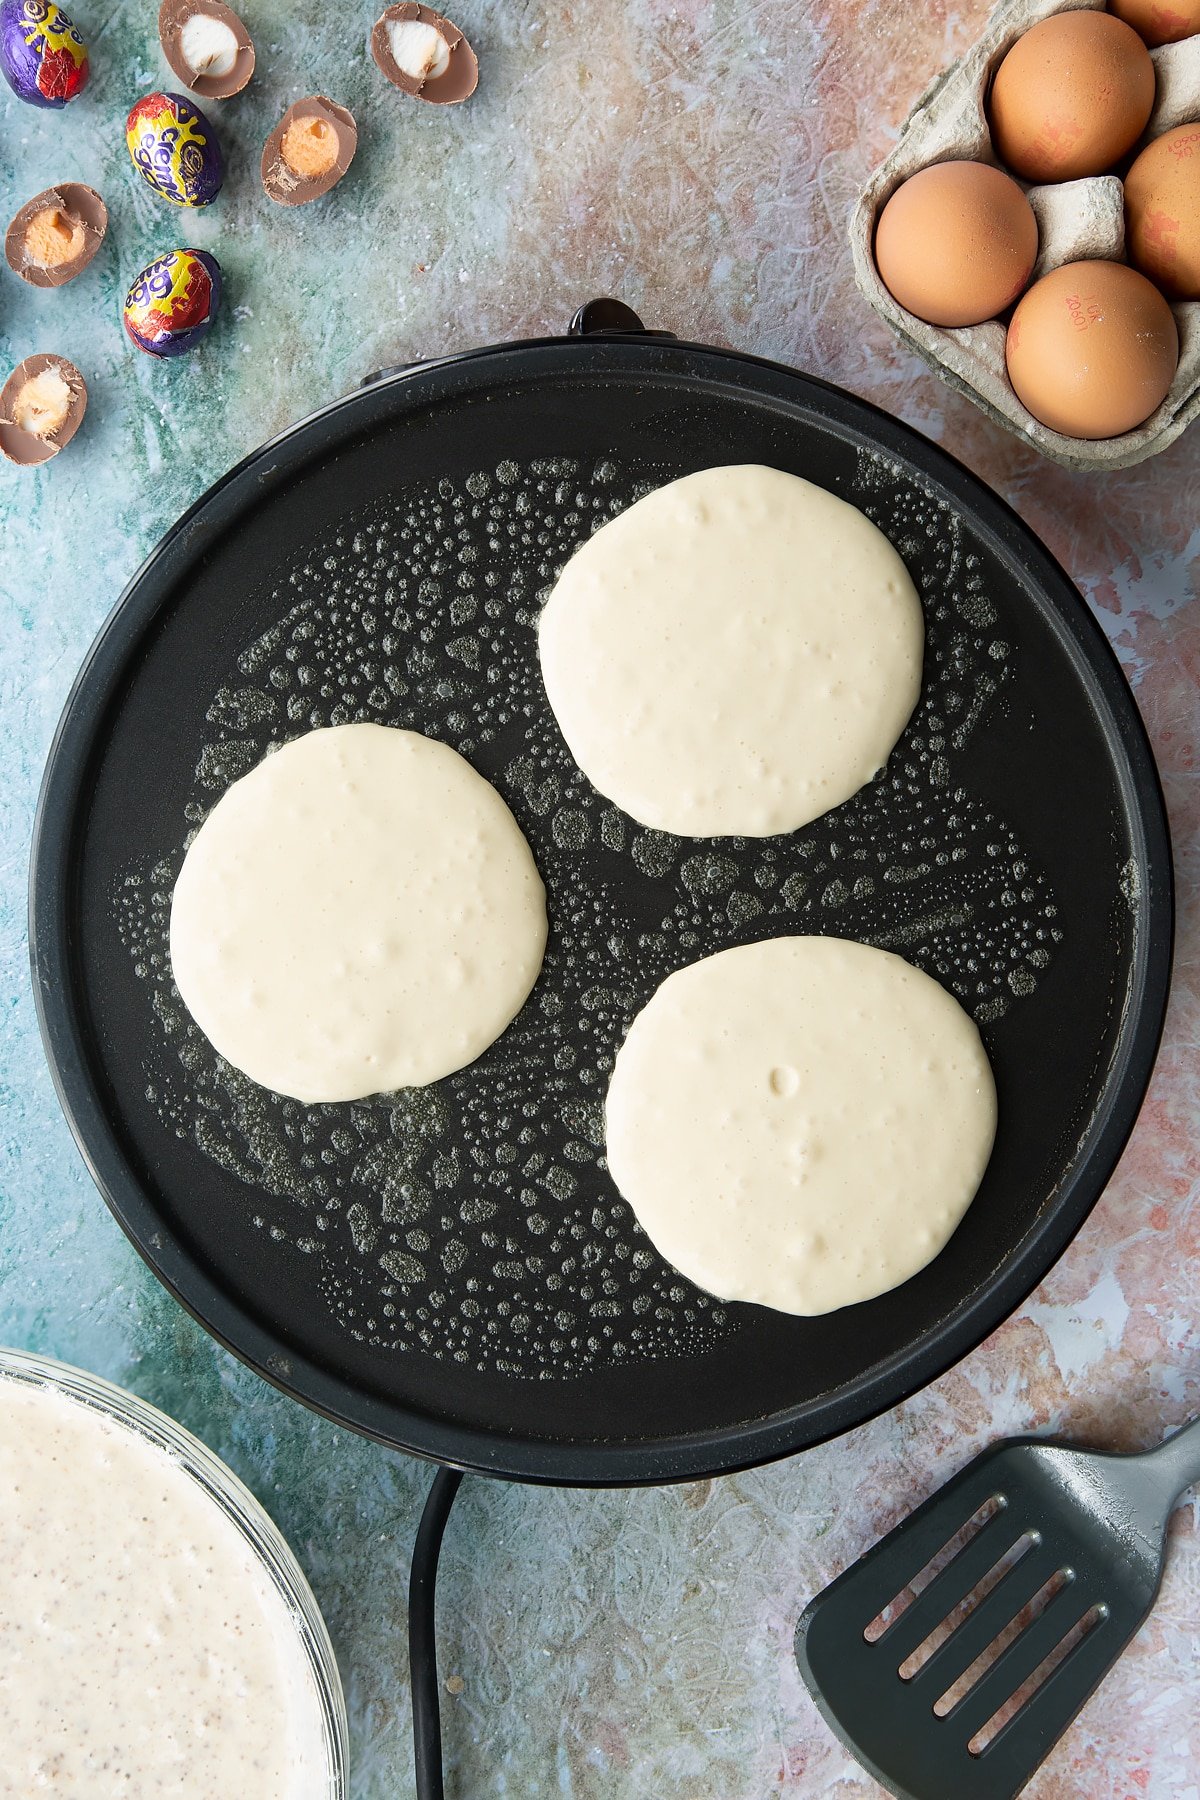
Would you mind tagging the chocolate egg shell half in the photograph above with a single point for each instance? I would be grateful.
(309, 151)
(44, 59)
(175, 149)
(173, 302)
(41, 408)
(424, 55)
(56, 234)
(207, 46)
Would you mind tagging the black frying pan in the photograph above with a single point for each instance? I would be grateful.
(452, 1271)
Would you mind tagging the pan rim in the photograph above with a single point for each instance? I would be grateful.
(570, 1461)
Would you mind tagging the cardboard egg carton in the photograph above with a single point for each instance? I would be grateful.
(1076, 220)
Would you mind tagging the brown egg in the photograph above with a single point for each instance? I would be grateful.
(1159, 21)
(956, 243)
(1092, 349)
(1162, 212)
(1071, 97)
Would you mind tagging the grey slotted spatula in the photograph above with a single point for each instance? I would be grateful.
(951, 1657)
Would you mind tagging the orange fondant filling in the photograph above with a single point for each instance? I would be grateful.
(53, 238)
(310, 147)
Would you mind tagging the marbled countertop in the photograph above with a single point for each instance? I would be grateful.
(698, 159)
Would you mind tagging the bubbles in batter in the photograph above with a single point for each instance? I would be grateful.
(736, 654)
(505, 1242)
(812, 1183)
(358, 913)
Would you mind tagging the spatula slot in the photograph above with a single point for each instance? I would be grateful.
(974, 1672)
(899, 1603)
(962, 1610)
(1066, 1646)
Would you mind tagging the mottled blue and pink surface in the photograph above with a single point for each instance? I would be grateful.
(698, 160)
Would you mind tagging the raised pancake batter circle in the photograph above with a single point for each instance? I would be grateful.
(733, 656)
(359, 913)
(801, 1122)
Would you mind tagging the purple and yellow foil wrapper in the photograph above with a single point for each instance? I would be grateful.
(44, 59)
(173, 302)
(175, 149)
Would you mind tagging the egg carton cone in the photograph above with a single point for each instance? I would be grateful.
(1076, 220)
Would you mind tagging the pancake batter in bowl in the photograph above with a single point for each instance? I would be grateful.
(801, 1122)
(733, 656)
(146, 1652)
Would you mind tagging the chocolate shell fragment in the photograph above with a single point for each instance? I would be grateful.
(41, 408)
(309, 151)
(423, 54)
(55, 235)
(207, 46)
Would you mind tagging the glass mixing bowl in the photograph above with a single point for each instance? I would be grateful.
(240, 1507)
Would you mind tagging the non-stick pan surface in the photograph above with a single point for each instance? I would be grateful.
(451, 1270)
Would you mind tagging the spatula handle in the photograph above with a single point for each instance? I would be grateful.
(1178, 1458)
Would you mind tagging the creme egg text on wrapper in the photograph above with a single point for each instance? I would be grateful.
(175, 150)
(172, 303)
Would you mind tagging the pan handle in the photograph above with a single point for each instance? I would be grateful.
(597, 318)
(392, 369)
(610, 318)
